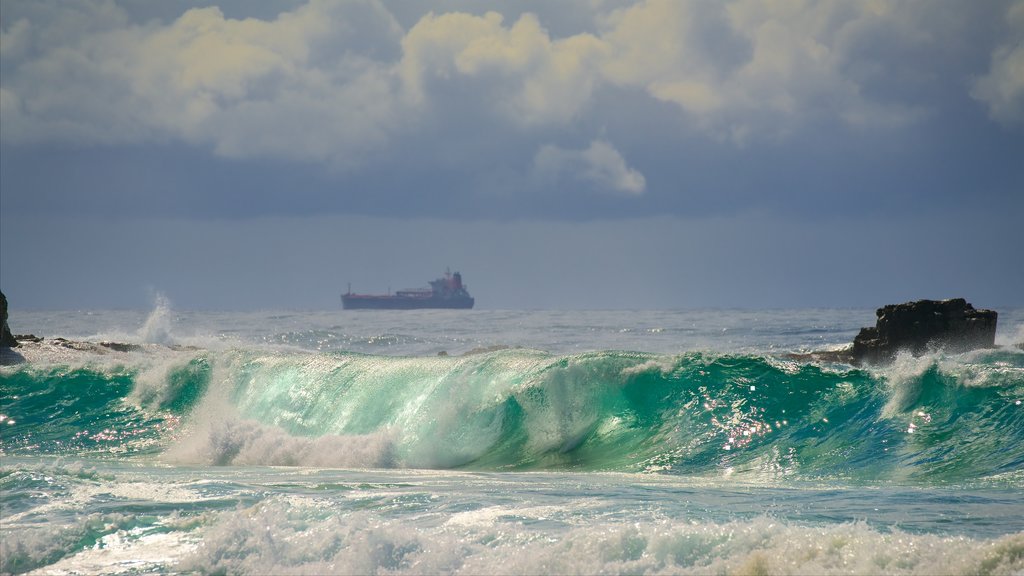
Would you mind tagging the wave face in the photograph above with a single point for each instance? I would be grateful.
(62, 410)
(930, 419)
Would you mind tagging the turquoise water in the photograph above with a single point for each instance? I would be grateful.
(540, 442)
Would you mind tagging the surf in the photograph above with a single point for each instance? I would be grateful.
(933, 419)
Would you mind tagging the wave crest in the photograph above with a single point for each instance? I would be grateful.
(696, 413)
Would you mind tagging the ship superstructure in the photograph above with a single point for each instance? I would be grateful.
(445, 292)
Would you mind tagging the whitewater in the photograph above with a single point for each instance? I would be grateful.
(503, 442)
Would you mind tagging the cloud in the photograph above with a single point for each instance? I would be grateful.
(600, 166)
(340, 82)
(679, 51)
(530, 78)
(1002, 89)
(751, 68)
(304, 86)
(14, 41)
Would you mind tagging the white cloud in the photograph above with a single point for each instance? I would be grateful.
(1002, 89)
(599, 166)
(665, 41)
(300, 87)
(740, 70)
(531, 78)
(750, 67)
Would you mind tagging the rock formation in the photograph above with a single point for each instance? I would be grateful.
(7, 339)
(917, 327)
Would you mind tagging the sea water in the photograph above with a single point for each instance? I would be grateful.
(503, 442)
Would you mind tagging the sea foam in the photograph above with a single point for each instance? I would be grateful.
(277, 537)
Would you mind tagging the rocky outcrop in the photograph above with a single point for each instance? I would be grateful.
(7, 339)
(95, 347)
(918, 327)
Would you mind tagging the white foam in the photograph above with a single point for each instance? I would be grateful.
(663, 366)
(121, 546)
(969, 370)
(277, 537)
(153, 385)
(236, 442)
(126, 552)
(491, 515)
(904, 379)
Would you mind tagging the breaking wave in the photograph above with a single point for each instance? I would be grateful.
(932, 419)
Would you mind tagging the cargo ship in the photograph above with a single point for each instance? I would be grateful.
(445, 292)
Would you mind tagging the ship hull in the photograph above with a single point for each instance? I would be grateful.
(367, 302)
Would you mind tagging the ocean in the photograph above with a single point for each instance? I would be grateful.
(503, 442)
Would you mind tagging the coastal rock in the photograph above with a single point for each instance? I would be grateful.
(7, 339)
(951, 325)
(96, 347)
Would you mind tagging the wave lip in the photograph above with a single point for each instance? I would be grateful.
(929, 419)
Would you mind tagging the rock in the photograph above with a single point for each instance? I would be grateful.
(10, 357)
(121, 346)
(924, 325)
(6, 338)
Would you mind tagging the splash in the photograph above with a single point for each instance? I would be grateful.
(157, 329)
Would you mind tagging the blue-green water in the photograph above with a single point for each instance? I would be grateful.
(541, 442)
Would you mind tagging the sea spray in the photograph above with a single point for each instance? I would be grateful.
(172, 382)
(157, 328)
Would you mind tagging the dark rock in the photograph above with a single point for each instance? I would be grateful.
(121, 347)
(104, 346)
(922, 326)
(72, 344)
(6, 338)
(10, 357)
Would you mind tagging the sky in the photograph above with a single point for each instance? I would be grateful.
(646, 154)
